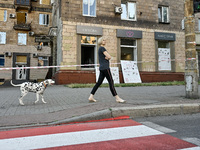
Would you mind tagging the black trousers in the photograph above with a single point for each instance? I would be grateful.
(105, 73)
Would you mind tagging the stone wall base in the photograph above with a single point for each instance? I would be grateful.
(74, 76)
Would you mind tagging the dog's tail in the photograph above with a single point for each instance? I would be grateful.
(14, 84)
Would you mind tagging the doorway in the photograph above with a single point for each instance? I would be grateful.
(87, 56)
(21, 60)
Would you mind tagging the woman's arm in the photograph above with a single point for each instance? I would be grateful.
(108, 57)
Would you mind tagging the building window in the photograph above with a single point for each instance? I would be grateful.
(45, 2)
(43, 61)
(129, 11)
(22, 38)
(2, 60)
(2, 37)
(44, 19)
(199, 24)
(89, 8)
(88, 51)
(163, 14)
(3, 15)
(128, 49)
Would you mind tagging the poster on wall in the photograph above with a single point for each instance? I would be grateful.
(164, 59)
(114, 72)
(130, 72)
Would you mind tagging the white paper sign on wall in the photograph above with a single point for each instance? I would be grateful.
(130, 72)
(164, 59)
(114, 72)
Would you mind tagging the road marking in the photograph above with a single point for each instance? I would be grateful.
(80, 137)
(158, 127)
(118, 134)
(193, 140)
(192, 148)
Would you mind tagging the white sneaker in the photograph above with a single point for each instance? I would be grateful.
(121, 101)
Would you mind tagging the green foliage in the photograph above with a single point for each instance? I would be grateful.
(128, 84)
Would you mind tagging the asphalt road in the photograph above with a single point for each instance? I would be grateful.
(185, 127)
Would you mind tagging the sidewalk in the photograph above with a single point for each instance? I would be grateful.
(69, 105)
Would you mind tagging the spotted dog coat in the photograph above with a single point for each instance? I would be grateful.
(37, 88)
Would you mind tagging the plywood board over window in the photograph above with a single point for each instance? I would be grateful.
(45, 2)
(3, 15)
(21, 18)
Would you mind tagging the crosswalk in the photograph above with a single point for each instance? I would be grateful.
(102, 135)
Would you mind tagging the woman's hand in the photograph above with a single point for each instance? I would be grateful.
(108, 57)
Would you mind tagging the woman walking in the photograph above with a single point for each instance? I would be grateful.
(104, 68)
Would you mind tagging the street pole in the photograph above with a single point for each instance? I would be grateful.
(191, 68)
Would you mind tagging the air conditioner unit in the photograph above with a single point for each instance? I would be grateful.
(8, 54)
(35, 55)
(39, 47)
(12, 15)
(31, 33)
(118, 10)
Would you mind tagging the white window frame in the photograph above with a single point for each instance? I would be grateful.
(2, 37)
(161, 14)
(2, 58)
(5, 15)
(127, 11)
(22, 38)
(133, 47)
(199, 24)
(43, 19)
(88, 14)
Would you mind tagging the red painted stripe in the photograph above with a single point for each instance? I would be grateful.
(107, 119)
(66, 128)
(157, 142)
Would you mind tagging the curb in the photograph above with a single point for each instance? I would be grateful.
(132, 112)
(136, 112)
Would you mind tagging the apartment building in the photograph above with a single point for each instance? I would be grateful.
(146, 31)
(24, 38)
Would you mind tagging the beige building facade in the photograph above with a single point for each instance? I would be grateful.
(148, 32)
(24, 40)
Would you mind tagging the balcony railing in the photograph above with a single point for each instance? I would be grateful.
(22, 26)
(25, 4)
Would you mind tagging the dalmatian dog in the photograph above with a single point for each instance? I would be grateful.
(37, 88)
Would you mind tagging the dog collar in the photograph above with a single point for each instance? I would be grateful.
(44, 85)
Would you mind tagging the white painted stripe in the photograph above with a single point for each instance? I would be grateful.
(73, 138)
(158, 127)
(195, 141)
(192, 148)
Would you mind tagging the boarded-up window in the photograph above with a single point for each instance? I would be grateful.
(21, 59)
(45, 2)
(22, 37)
(3, 15)
(21, 18)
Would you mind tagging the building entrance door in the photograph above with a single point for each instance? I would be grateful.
(21, 60)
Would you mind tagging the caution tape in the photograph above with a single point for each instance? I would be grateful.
(84, 65)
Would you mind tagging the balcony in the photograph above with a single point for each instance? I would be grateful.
(22, 26)
(23, 4)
